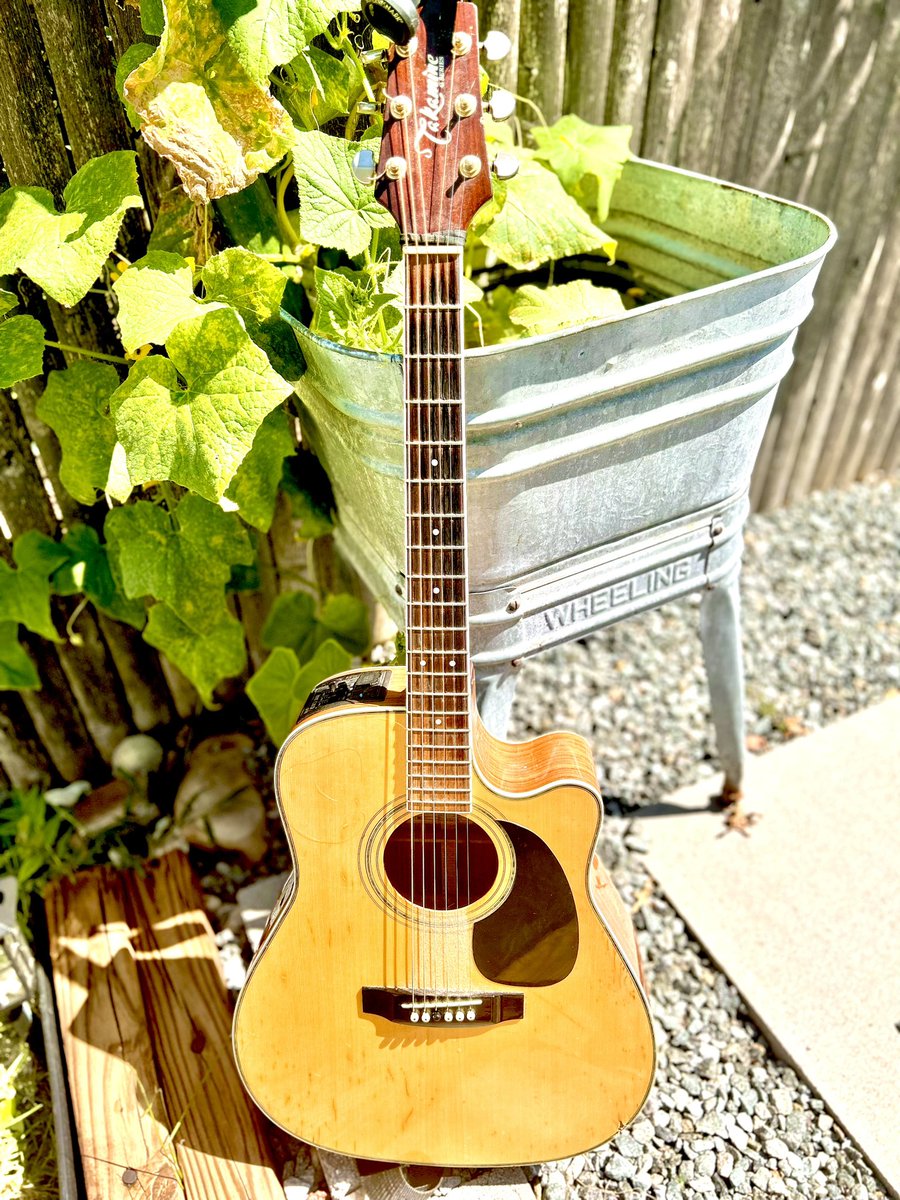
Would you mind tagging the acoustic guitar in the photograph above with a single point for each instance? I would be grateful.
(449, 976)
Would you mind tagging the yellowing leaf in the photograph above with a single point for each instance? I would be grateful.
(63, 252)
(255, 486)
(532, 219)
(335, 208)
(21, 349)
(192, 417)
(206, 659)
(543, 310)
(75, 406)
(201, 108)
(587, 159)
(155, 294)
(351, 310)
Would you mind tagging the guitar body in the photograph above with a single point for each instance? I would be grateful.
(541, 939)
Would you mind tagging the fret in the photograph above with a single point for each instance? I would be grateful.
(437, 443)
(434, 307)
(457, 790)
(437, 479)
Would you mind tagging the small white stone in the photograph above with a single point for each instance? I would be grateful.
(783, 1101)
(776, 1148)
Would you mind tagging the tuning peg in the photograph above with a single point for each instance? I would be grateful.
(502, 104)
(496, 45)
(373, 58)
(505, 165)
(367, 108)
(363, 166)
(397, 20)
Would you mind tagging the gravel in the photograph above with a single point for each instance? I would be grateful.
(821, 628)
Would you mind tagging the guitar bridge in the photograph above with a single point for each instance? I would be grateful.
(413, 1008)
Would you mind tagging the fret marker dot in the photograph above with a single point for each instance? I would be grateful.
(438, 721)
(452, 662)
(422, 662)
(434, 462)
(434, 532)
(436, 590)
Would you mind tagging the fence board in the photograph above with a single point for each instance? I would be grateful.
(542, 54)
(589, 44)
(504, 15)
(675, 44)
(629, 67)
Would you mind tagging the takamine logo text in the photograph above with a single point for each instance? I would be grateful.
(430, 112)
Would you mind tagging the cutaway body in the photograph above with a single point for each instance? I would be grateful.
(502, 917)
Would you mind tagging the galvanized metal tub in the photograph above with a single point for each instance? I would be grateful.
(609, 464)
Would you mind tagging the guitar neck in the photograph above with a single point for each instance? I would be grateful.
(437, 606)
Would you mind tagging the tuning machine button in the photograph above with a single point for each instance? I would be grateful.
(397, 20)
(496, 45)
(465, 104)
(400, 107)
(469, 166)
(363, 166)
(505, 165)
(501, 104)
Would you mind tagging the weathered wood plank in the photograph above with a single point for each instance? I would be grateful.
(504, 15)
(542, 54)
(220, 1142)
(56, 715)
(23, 498)
(589, 44)
(755, 35)
(123, 1130)
(22, 756)
(630, 64)
(698, 141)
(674, 48)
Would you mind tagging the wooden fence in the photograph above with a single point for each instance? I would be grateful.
(797, 97)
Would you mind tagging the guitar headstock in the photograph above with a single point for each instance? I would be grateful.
(433, 174)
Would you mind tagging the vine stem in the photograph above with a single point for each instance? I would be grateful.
(287, 231)
(113, 358)
(370, 251)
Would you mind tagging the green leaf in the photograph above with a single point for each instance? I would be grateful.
(202, 109)
(294, 622)
(487, 320)
(219, 653)
(319, 89)
(34, 551)
(532, 220)
(255, 288)
(184, 560)
(63, 252)
(25, 599)
(351, 310)
(17, 671)
(267, 33)
(74, 405)
(587, 159)
(251, 219)
(542, 310)
(335, 208)
(153, 18)
(21, 349)
(196, 433)
(155, 294)
(255, 486)
(313, 519)
(8, 301)
(85, 568)
(280, 687)
(133, 57)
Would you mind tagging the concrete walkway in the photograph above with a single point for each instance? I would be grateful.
(804, 913)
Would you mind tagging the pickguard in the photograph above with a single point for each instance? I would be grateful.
(531, 940)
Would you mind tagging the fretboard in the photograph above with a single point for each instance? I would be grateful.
(437, 606)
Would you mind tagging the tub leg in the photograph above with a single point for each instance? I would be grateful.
(720, 633)
(495, 700)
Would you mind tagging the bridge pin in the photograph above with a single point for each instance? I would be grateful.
(470, 1014)
(448, 1015)
(460, 1015)
(426, 1016)
(414, 1016)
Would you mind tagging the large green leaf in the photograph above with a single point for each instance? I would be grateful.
(532, 220)
(201, 108)
(587, 159)
(85, 568)
(255, 486)
(267, 33)
(8, 301)
(183, 559)
(63, 252)
(133, 57)
(280, 687)
(542, 310)
(351, 310)
(255, 288)
(294, 622)
(319, 89)
(155, 294)
(206, 659)
(21, 349)
(197, 432)
(74, 405)
(17, 671)
(25, 599)
(335, 208)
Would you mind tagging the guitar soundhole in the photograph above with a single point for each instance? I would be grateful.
(440, 861)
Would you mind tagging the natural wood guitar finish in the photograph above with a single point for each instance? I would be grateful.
(464, 1094)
